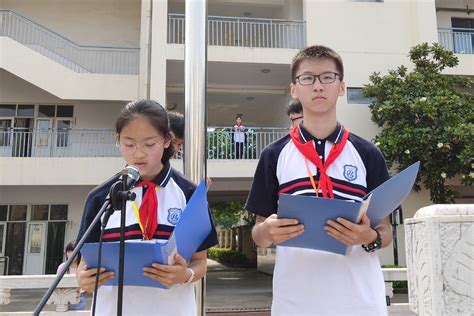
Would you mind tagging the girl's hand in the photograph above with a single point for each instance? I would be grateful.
(86, 278)
(168, 275)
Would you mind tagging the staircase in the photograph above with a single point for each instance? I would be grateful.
(80, 59)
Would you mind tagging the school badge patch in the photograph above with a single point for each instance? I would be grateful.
(350, 172)
(174, 214)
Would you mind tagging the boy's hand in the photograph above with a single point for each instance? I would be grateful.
(168, 275)
(86, 278)
(350, 233)
(279, 230)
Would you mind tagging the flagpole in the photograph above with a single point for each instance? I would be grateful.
(195, 80)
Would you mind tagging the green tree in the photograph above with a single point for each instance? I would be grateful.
(428, 116)
(229, 214)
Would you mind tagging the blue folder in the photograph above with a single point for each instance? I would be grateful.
(314, 212)
(190, 232)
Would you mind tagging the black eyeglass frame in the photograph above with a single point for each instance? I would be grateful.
(296, 118)
(297, 78)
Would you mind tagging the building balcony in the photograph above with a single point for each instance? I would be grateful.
(102, 142)
(88, 156)
(459, 41)
(243, 32)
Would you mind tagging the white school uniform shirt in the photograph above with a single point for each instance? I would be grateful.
(173, 193)
(312, 282)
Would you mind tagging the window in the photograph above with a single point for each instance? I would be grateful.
(2, 232)
(7, 110)
(17, 213)
(63, 133)
(5, 125)
(3, 212)
(26, 110)
(39, 212)
(58, 213)
(65, 111)
(13, 229)
(46, 111)
(355, 96)
(463, 35)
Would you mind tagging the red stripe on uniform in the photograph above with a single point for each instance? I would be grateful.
(345, 187)
(299, 184)
(117, 235)
(158, 233)
(134, 233)
(337, 185)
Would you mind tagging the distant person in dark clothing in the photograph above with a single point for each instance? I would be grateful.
(295, 111)
(177, 130)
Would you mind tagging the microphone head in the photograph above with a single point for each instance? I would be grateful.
(133, 175)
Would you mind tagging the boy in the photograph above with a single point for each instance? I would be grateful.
(337, 164)
(177, 129)
(294, 111)
(239, 138)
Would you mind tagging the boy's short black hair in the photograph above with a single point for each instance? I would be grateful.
(294, 107)
(316, 52)
(176, 124)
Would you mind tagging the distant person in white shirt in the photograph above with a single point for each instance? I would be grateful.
(72, 270)
(239, 137)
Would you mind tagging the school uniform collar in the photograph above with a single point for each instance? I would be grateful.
(163, 177)
(335, 137)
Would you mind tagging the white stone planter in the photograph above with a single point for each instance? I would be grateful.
(440, 260)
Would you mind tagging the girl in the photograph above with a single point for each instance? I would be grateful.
(144, 139)
(72, 269)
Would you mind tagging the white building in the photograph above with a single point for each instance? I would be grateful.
(67, 68)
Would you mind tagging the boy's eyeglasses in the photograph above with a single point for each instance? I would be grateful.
(295, 118)
(324, 78)
(147, 147)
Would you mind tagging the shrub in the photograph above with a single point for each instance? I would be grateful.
(227, 256)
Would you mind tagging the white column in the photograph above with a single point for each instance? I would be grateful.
(440, 260)
(145, 49)
(158, 51)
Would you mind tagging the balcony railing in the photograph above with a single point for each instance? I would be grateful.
(101, 142)
(243, 32)
(459, 41)
(82, 59)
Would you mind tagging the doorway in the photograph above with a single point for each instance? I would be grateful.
(35, 248)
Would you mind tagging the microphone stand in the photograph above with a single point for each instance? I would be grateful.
(118, 193)
(78, 247)
(123, 195)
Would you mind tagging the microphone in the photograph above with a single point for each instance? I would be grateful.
(117, 193)
(133, 176)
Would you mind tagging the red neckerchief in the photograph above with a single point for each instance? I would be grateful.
(149, 210)
(309, 151)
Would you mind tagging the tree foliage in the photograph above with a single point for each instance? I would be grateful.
(428, 116)
(230, 214)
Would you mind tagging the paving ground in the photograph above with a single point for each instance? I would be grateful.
(230, 292)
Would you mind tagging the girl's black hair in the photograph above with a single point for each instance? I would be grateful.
(70, 247)
(156, 115)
